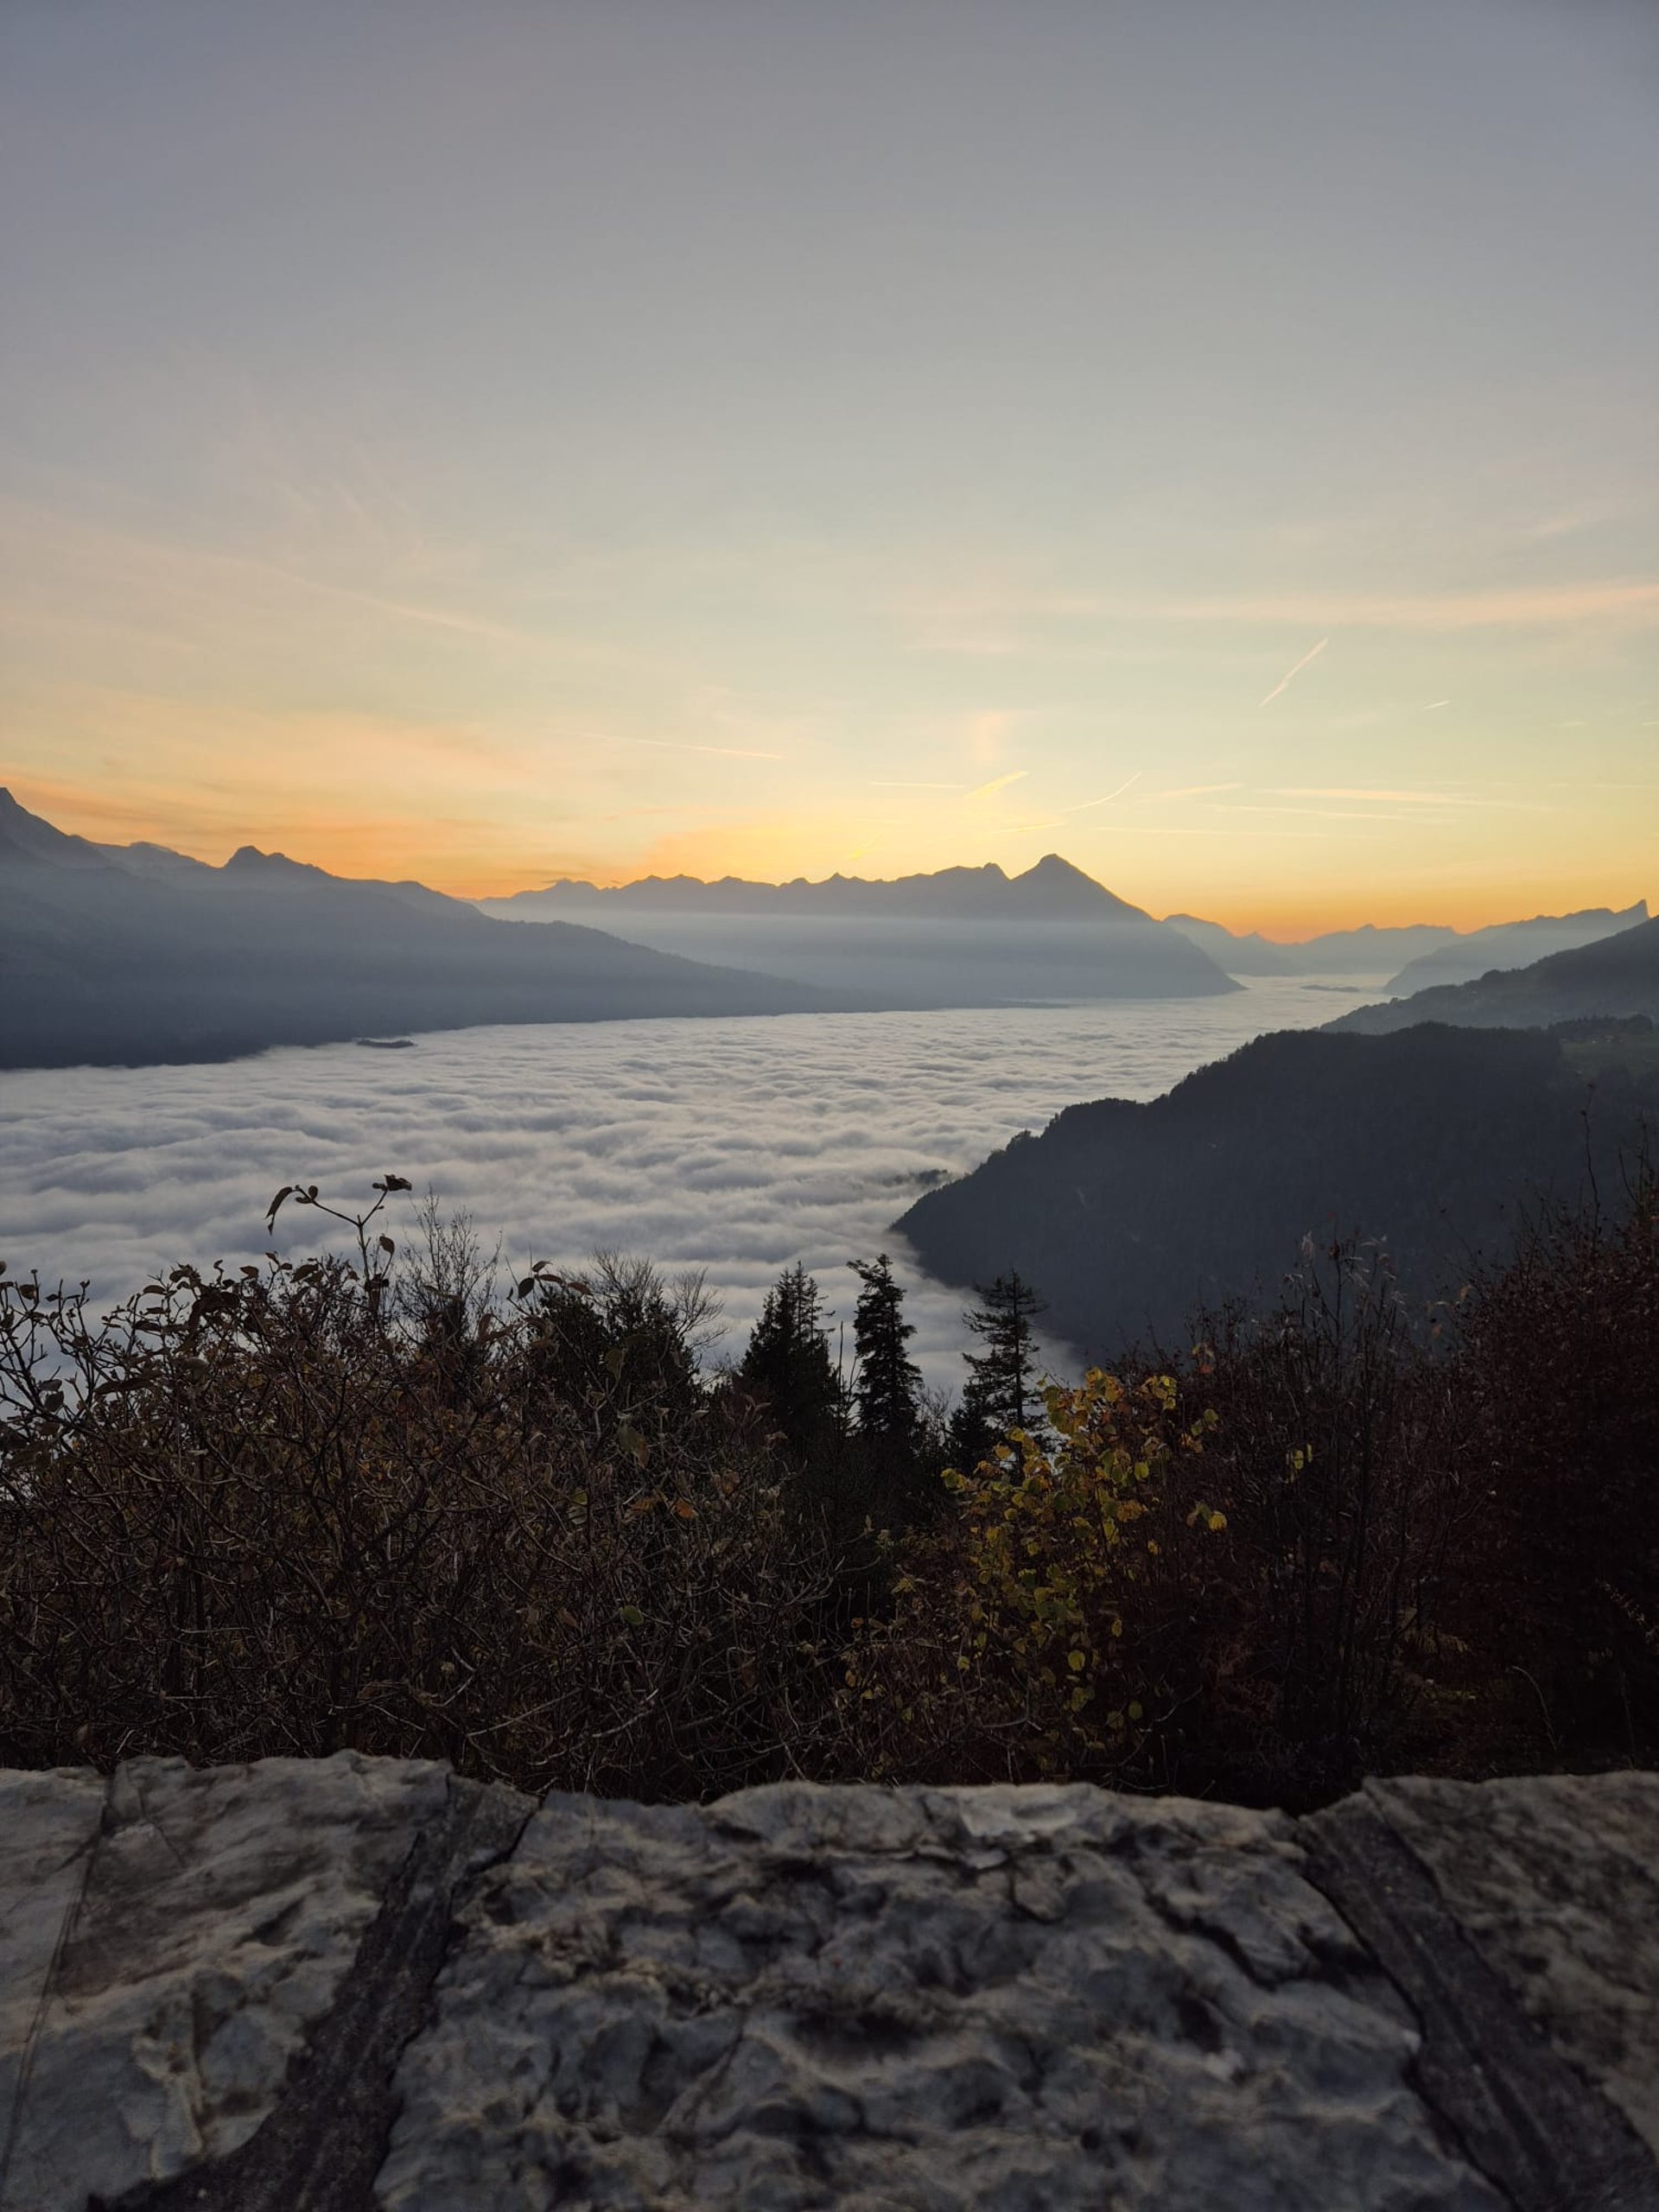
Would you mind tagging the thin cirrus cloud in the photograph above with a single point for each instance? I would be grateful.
(1629, 600)
(1401, 798)
(1188, 791)
(1292, 672)
(1105, 799)
(726, 752)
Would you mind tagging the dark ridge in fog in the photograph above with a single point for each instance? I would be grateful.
(1513, 945)
(1431, 952)
(962, 937)
(1613, 979)
(1129, 1216)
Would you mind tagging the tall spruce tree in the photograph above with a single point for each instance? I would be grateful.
(787, 1363)
(1001, 1392)
(887, 1389)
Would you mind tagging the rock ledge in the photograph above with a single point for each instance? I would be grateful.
(354, 1983)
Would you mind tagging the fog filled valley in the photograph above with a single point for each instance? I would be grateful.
(735, 1147)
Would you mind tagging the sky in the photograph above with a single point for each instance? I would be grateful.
(493, 442)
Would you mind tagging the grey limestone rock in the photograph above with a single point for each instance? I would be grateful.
(1021, 1999)
(170, 1938)
(1556, 1881)
(329, 1985)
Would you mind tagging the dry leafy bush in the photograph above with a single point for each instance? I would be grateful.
(288, 1511)
(1041, 1631)
(1227, 1571)
(377, 1504)
(1562, 1353)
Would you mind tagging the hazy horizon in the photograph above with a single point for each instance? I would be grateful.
(490, 445)
(1287, 939)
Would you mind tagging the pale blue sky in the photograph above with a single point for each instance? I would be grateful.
(490, 440)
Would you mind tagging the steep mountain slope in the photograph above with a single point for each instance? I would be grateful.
(1617, 975)
(1126, 1217)
(963, 937)
(134, 955)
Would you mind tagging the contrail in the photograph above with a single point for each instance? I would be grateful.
(1284, 680)
(729, 752)
(998, 783)
(1109, 796)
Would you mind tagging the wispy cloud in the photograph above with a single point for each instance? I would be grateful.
(907, 784)
(1398, 799)
(1290, 674)
(1022, 622)
(1107, 799)
(726, 752)
(1329, 813)
(1186, 791)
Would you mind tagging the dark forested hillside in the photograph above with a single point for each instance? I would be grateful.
(132, 954)
(1128, 1217)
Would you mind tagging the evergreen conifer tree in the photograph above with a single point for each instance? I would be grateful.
(888, 1390)
(1001, 1392)
(787, 1362)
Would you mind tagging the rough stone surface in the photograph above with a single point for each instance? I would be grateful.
(197, 1925)
(1547, 2138)
(49, 1823)
(326, 1986)
(1019, 1999)
(1556, 1881)
(319, 2148)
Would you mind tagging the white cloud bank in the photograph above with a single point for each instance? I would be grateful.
(734, 1146)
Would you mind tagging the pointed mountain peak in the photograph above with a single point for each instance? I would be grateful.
(1057, 886)
(248, 859)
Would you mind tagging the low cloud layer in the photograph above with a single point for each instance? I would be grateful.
(734, 1146)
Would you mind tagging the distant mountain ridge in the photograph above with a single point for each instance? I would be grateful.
(1414, 957)
(1367, 950)
(1053, 890)
(1616, 976)
(1513, 945)
(961, 936)
(131, 955)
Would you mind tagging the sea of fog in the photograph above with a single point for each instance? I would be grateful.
(737, 1146)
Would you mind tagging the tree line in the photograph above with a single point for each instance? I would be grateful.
(874, 1438)
(383, 1500)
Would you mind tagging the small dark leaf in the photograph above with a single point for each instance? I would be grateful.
(387, 1246)
(287, 1190)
